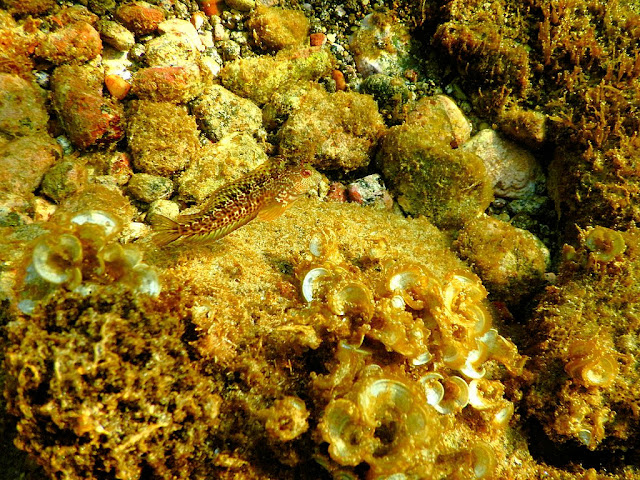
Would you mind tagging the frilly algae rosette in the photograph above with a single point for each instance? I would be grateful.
(81, 253)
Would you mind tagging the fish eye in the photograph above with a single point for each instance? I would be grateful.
(306, 173)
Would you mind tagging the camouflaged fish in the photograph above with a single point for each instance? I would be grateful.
(265, 193)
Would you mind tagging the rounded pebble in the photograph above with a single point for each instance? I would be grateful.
(513, 169)
(149, 188)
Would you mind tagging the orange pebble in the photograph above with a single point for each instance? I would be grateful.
(211, 7)
(118, 87)
(338, 77)
(317, 39)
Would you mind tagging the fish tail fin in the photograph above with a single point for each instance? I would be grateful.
(166, 230)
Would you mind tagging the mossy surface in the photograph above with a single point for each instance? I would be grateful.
(448, 186)
(577, 63)
(588, 322)
(105, 388)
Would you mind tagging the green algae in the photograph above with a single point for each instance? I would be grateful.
(448, 186)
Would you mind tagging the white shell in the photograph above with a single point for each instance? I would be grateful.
(97, 217)
(307, 283)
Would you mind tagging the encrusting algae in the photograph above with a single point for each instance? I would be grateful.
(264, 193)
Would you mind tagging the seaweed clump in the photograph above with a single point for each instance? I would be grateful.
(80, 253)
(564, 73)
(585, 348)
(103, 387)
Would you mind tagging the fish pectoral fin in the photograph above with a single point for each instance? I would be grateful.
(272, 210)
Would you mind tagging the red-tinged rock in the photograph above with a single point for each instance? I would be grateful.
(73, 14)
(29, 7)
(168, 84)
(16, 47)
(212, 7)
(337, 192)
(24, 161)
(140, 17)
(75, 43)
(22, 110)
(338, 77)
(87, 117)
(317, 39)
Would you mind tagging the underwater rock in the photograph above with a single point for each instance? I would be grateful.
(169, 50)
(381, 45)
(450, 187)
(24, 162)
(513, 170)
(597, 187)
(510, 261)
(391, 94)
(22, 109)
(115, 35)
(18, 46)
(182, 28)
(219, 163)
(71, 44)
(140, 17)
(163, 137)
(220, 112)
(241, 5)
(111, 371)
(369, 190)
(148, 188)
(585, 344)
(64, 179)
(29, 7)
(258, 78)
(277, 28)
(441, 120)
(86, 115)
(333, 131)
(168, 84)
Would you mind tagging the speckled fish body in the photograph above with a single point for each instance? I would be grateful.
(265, 193)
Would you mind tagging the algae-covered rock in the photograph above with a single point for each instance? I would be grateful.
(74, 43)
(22, 110)
(220, 163)
(510, 261)
(220, 112)
(64, 179)
(334, 131)
(607, 195)
(163, 137)
(313, 283)
(442, 120)
(24, 161)
(381, 44)
(448, 186)
(168, 84)
(148, 188)
(258, 78)
(170, 49)
(585, 347)
(86, 115)
(278, 28)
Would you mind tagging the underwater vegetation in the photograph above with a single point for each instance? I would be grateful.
(401, 320)
(559, 73)
(82, 256)
(586, 343)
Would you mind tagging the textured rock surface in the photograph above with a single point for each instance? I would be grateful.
(451, 187)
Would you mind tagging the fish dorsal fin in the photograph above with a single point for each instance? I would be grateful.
(272, 210)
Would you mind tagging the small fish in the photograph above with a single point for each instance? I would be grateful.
(266, 193)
